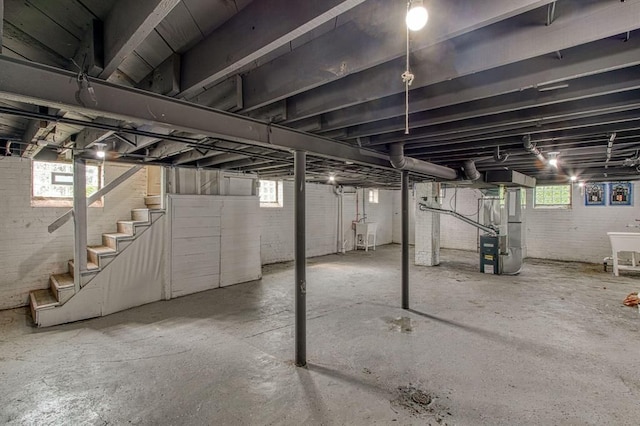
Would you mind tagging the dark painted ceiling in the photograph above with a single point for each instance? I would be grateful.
(488, 75)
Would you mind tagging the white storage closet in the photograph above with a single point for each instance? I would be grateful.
(215, 241)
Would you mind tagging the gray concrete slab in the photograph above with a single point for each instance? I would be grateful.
(553, 345)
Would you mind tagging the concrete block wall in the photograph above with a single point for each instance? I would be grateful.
(454, 233)
(322, 222)
(28, 253)
(579, 233)
(427, 246)
(575, 234)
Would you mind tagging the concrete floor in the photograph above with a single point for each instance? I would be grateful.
(553, 345)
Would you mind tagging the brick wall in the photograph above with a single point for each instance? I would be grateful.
(575, 234)
(454, 233)
(322, 221)
(579, 233)
(28, 253)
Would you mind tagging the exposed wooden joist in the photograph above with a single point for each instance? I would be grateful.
(165, 79)
(590, 87)
(373, 37)
(127, 25)
(494, 48)
(590, 59)
(250, 35)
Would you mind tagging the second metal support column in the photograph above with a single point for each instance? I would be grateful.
(405, 239)
(300, 259)
(79, 221)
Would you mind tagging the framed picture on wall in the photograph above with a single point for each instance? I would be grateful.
(594, 194)
(620, 194)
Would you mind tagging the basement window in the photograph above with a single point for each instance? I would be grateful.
(552, 196)
(52, 184)
(373, 196)
(270, 192)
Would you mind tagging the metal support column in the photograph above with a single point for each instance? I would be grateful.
(300, 259)
(79, 220)
(405, 239)
(1, 22)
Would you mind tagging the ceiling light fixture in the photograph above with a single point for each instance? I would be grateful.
(417, 15)
(332, 177)
(574, 178)
(100, 149)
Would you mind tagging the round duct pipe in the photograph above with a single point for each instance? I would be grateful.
(399, 161)
(470, 170)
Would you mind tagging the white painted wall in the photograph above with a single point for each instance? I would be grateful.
(579, 233)
(28, 253)
(322, 221)
(575, 234)
(454, 233)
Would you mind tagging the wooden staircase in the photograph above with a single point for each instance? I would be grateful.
(61, 286)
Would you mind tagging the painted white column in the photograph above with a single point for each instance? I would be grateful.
(427, 227)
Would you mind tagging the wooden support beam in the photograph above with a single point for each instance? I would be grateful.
(165, 79)
(90, 54)
(127, 25)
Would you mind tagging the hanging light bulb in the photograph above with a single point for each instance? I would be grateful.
(417, 15)
(553, 159)
(100, 150)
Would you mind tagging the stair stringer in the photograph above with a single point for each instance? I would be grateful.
(135, 277)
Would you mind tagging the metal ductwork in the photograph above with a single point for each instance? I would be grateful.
(470, 170)
(531, 147)
(399, 161)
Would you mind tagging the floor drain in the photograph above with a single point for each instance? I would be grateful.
(421, 398)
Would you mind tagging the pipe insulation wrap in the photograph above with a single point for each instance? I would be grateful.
(399, 161)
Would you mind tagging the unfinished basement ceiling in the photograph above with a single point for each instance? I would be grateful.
(488, 76)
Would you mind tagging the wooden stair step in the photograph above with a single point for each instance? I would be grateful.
(141, 214)
(91, 267)
(128, 226)
(111, 239)
(62, 281)
(102, 250)
(41, 299)
(94, 253)
(154, 201)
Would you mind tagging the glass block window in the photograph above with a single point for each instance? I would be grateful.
(553, 196)
(270, 192)
(373, 196)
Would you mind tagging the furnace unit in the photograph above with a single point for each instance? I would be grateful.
(489, 254)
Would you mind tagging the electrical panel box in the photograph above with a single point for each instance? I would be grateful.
(489, 254)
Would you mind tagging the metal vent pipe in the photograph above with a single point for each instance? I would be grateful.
(470, 170)
(399, 161)
(531, 147)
